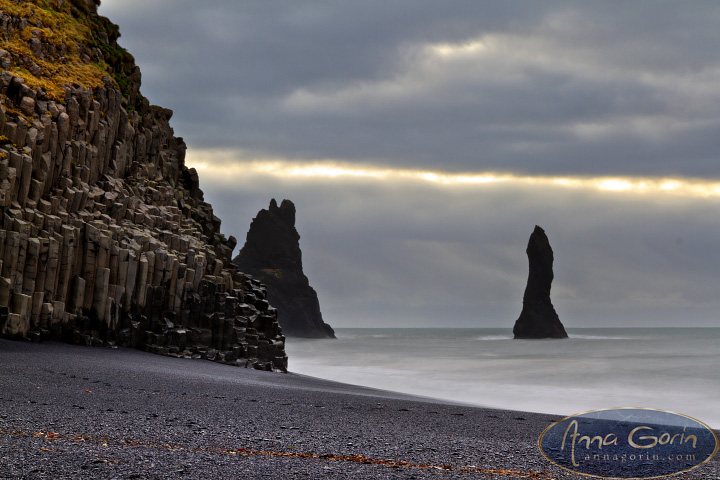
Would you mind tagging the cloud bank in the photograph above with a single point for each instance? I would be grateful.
(533, 87)
(581, 92)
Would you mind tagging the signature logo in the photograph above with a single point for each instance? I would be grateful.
(628, 443)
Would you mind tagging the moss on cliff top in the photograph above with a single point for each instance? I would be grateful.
(56, 43)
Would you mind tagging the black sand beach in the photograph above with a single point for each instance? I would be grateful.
(79, 412)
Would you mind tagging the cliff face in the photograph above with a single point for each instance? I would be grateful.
(538, 318)
(272, 255)
(105, 237)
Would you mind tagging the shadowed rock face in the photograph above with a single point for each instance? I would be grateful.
(538, 318)
(272, 255)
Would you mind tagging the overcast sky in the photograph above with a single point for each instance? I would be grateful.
(421, 142)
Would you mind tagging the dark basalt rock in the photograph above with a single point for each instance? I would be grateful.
(272, 255)
(538, 318)
(105, 238)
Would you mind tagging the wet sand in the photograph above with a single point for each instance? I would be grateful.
(80, 412)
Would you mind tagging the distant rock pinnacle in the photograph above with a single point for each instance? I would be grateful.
(272, 255)
(538, 318)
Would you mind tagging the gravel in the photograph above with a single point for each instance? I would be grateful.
(80, 412)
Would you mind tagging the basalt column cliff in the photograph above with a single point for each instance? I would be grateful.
(104, 234)
(538, 318)
(272, 254)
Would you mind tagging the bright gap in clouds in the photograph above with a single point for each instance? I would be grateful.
(220, 167)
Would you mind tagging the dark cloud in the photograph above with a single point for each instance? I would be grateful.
(563, 87)
(274, 47)
(531, 87)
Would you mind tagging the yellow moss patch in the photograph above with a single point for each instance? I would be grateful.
(58, 27)
(66, 33)
(277, 273)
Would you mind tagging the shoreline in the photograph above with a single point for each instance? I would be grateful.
(81, 412)
(594, 369)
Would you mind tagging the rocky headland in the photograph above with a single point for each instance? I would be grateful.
(538, 318)
(105, 238)
(272, 255)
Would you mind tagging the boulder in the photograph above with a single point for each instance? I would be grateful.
(27, 105)
(538, 318)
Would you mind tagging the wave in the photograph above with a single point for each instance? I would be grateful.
(493, 337)
(360, 336)
(571, 335)
(598, 337)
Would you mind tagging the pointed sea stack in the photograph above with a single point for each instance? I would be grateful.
(538, 318)
(272, 255)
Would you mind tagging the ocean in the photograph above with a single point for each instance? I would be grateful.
(675, 369)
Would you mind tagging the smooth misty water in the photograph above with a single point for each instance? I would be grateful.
(666, 368)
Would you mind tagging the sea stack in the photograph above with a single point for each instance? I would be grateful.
(272, 255)
(538, 318)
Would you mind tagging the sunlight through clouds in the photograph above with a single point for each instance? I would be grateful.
(461, 49)
(220, 167)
